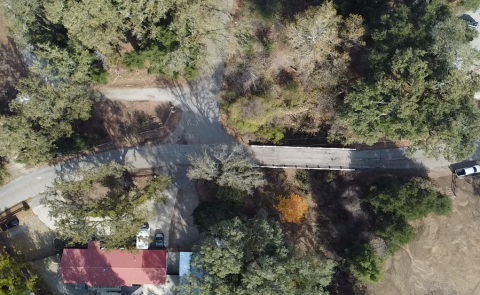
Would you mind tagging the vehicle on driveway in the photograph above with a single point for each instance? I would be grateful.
(462, 172)
(160, 240)
(472, 24)
(143, 237)
(10, 223)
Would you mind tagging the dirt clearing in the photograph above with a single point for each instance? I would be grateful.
(32, 238)
(444, 258)
(117, 124)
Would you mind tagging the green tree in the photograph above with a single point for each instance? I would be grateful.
(227, 166)
(45, 115)
(412, 200)
(251, 257)
(395, 232)
(470, 4)
(395, 203)
(98, 25)
(74, 63)
(18, 140)
(101, 202)
(364, 264)
(68, 32)
(208, 214)
(12, 280)
(418, 83)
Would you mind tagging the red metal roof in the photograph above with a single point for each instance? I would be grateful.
(99, 268)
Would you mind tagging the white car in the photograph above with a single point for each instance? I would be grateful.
(143, 237)
(462, 172)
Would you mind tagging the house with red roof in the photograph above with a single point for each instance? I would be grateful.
(98, 268)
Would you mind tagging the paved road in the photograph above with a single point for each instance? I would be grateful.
(317, 158)
(172, 157)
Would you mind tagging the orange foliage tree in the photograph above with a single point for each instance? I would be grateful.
(293, 208)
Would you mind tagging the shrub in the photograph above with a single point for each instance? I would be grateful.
(396, 232)
(292, 209)
(364, 264)
(99, 76)
(303, 180)
(412, 200)
(3, 171)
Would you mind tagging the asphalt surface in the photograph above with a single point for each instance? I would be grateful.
(172, 158)
(332, 159)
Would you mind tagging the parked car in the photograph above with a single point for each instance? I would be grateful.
(462, 172)
(472, 24)
(143, 237)
(10, 223)
(159, 240)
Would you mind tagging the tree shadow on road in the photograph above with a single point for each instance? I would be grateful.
(198, 101)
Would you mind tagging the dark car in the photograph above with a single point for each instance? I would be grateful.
(159, 240)
(10, 223)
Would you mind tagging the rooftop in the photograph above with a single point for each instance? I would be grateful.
(99, 268)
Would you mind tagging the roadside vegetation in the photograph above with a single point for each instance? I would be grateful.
(250, 256)
(226, 166)
(3, 171)
(283, 73)
(359, 72)
(43, 115)
(394, 204)
(70, 45)
(14, 277)
(78, 39)
(101, 203)
(246, 248)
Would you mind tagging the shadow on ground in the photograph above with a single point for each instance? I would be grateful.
(344, 216)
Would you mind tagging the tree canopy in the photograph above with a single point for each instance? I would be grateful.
(12, 280)
(284, 75)
(43, 114)
(412, 200)
(101, 202)
(227, 166)
(418, 84)
(86, 32)
(251, 257)
(364, 264)
(292, 208)
(396, 203)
